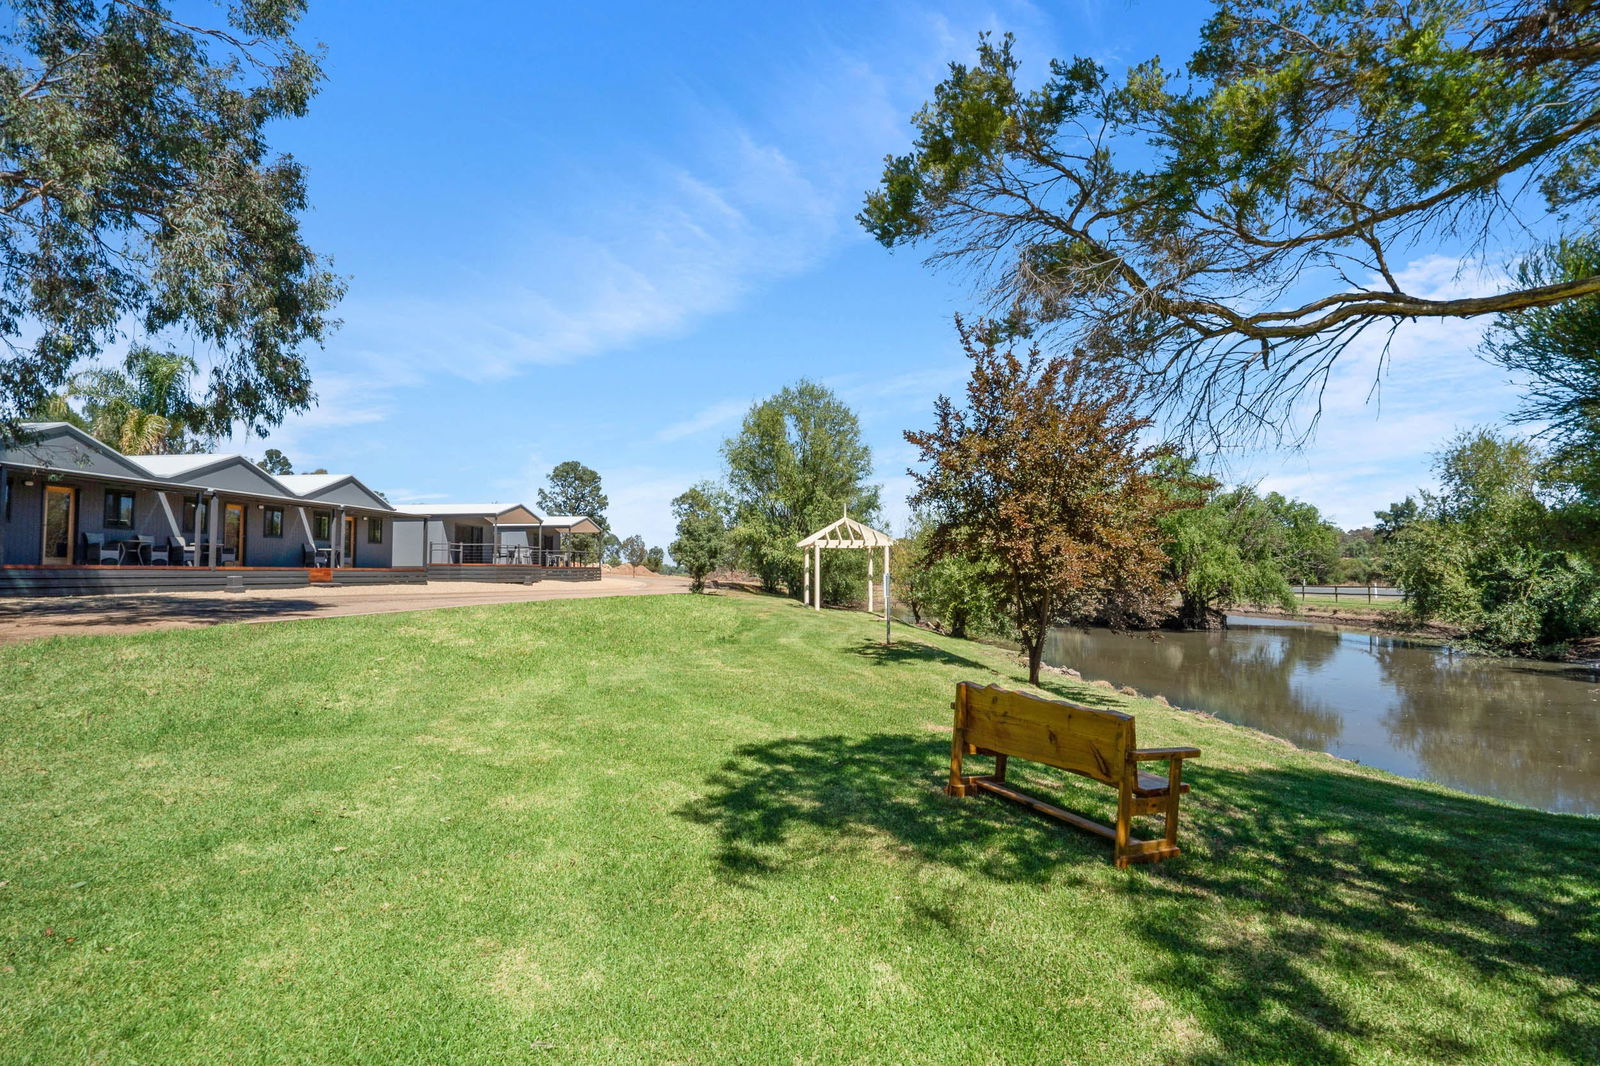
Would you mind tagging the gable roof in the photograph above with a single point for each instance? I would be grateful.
(572, 523)
(305, 484)
(63, 446)
(848, 533)
(512, 512)
(221, 471)
(335, 488)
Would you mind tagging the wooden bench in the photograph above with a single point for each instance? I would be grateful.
(1084, 740)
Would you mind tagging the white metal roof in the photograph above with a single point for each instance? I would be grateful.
(485, 509)
(177, 465)
(304, 483)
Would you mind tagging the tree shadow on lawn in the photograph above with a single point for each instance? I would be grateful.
(904, 651)
(1297, 884)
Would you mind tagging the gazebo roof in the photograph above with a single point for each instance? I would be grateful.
(848, 533)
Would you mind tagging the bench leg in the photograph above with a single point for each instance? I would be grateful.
(1000, 768)
(1124, 822)
(958, 744)
(1174, 781)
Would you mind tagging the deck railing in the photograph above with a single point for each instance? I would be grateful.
(456, 553)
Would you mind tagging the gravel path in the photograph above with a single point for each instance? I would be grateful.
(31, 619)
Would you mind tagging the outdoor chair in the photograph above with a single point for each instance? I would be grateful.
(158, 553)
(98, 552)
(139, 548)
(227, 554)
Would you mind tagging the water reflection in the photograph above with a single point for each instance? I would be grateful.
(1518, 730)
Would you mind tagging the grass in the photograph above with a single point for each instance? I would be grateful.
(1358, 602)
(711, 830)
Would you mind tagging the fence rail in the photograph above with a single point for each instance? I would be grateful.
(1369, 593)
(454, 552)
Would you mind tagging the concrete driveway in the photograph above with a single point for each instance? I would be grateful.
(31, 619)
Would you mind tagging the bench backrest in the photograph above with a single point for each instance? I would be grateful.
(1084, 740)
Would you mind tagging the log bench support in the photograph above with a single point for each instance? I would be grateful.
(1094, 743)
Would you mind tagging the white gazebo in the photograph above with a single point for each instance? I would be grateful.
(846, 533)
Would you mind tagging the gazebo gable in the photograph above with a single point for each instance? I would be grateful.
(847, 533)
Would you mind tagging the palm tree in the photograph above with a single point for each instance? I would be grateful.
(145, 408)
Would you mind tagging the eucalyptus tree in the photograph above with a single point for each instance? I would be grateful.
(797, 463)
(1225, 230)
(140, 202)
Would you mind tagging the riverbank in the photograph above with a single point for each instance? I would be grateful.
(1386, 621)
(693, 828)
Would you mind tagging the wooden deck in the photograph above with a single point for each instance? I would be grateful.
(113, 580)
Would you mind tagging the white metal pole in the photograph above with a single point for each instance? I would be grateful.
(886, 636)
(818, 571)
(869, 582)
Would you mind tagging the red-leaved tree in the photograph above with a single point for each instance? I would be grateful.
(1045, 475)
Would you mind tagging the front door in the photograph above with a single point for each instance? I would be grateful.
(233, 530)
(349, 541)
(60, 514)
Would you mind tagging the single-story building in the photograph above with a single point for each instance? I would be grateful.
(78, 517)
(503, 542)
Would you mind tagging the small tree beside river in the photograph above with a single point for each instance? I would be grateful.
(1043, 482)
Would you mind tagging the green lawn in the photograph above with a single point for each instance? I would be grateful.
(1377, 603)
(711, 830)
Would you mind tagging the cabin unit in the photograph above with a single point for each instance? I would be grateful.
(78, 517)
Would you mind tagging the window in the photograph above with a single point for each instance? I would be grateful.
(119, 509)
(323, 521)
(190, 511)
(272, 522)
(374, 531)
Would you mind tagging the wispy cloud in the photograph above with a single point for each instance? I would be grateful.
(707, 418)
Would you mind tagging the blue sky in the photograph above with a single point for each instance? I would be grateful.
(602, 231)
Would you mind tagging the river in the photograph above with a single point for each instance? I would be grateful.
(1523, 731)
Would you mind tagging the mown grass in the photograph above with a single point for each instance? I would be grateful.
(711, 830)
(1357, 601)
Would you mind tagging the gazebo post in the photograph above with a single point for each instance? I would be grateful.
(816, 599)
(869, 582)
(805, 584)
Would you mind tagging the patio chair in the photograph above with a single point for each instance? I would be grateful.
(98, 552)
(228, 554)
(159, 553)
(138, 547)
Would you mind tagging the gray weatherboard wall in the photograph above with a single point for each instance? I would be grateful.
(24, 522)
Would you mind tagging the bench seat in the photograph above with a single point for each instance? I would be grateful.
(1150, 784)
(1089, 741)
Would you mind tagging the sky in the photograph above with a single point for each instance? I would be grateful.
(601, 232)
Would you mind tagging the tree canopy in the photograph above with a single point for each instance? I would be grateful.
(1043, 481)
(140, 202)
(1493, 550)
(797, 463)
(145, 407)
(1557, 349)
(702, 544)
(575, 490)
(1224, 231)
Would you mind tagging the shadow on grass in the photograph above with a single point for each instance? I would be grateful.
(908, 651)
(1299, 886)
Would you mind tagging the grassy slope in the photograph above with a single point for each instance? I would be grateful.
(711, 830)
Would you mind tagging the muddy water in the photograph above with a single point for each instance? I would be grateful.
(1524, 731)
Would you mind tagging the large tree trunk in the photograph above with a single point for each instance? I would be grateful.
(958, 623)
(1035, 657)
